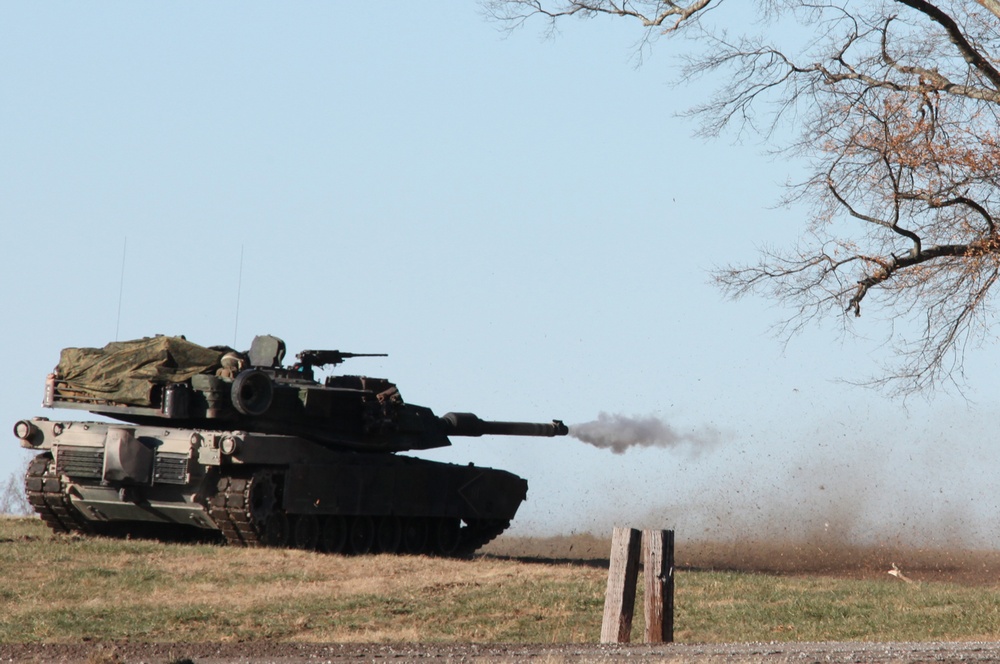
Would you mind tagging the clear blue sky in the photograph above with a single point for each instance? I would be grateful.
(522, 224)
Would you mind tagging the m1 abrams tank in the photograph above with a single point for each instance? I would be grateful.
(213, 443)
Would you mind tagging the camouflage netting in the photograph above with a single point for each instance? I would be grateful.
(126, 371)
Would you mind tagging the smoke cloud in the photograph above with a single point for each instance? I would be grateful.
(618, 433)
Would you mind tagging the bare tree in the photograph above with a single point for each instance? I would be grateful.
(666, 15)
(13, 500)
(895, 105)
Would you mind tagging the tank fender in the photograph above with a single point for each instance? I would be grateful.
(403, 486)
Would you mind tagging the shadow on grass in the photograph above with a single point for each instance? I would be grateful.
(594, 563)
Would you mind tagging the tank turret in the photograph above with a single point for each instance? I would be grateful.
(170, 379)
(237, 445)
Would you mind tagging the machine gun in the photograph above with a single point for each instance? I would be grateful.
(320, 358)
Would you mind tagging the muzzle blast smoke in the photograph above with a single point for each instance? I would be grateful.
(620, 432)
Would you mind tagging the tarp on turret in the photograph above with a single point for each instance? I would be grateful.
(126, 371)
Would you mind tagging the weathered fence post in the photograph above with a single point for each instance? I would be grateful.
(658, 573)
(657, 547)
(623, 576)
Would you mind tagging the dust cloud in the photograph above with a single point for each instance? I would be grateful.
(789, 493)
(619, 433)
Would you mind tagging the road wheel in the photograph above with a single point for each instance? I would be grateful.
(305, 534)
(389, 534)
(446, 535)
(276, 529)
(414, 535)
(335, 532)
(362, 535)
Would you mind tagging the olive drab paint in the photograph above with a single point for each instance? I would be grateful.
(219, 444)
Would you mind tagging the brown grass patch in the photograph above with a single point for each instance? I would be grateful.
(825, 557)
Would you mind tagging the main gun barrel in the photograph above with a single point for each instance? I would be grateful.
(467, 424)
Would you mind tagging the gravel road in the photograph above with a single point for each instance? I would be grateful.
(293, 653)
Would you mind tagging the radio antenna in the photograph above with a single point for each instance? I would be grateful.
(239, 286)
(121, 289)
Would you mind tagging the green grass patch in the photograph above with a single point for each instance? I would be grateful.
(756, 607)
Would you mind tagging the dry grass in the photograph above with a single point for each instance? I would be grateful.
(65, 589)
(72, 590)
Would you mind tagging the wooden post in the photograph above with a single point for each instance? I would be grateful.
(658, 572)
(623, 576)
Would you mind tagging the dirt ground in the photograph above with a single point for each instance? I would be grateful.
(820, 557)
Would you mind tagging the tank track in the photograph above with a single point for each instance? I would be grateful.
(478, 534)
(47, 493)
(230, 509)
(236, 509)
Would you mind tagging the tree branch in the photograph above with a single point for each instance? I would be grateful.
(896, 263)
(976, 59)
(899, 126)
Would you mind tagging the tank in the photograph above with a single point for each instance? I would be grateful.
(211, 443)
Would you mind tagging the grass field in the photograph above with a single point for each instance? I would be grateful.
(69, 589)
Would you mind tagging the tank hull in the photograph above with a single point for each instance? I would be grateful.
(253, 489)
